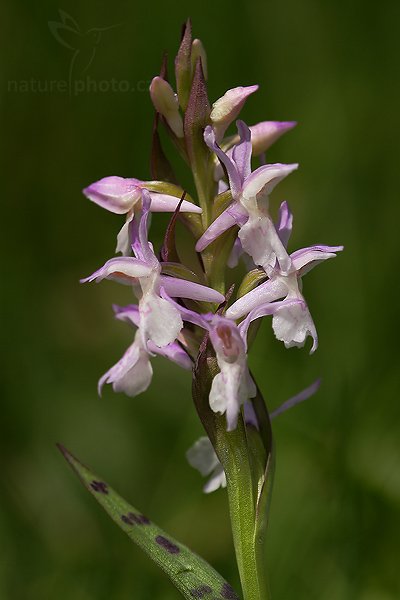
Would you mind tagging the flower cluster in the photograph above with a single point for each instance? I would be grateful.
(229, 216)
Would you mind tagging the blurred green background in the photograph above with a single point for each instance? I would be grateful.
(335, 529)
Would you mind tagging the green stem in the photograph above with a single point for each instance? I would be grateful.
(243, 496)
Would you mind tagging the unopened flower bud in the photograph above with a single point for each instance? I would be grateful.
(227, 108)
(199, 51)
(166, 103)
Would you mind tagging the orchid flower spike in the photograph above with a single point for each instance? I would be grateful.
(132, 374)
(292, 322)
(249, 209)
(122, 195)
(160, 320)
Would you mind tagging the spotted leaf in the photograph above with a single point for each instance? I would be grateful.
(190, 574)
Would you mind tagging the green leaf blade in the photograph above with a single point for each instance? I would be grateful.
(190, 574)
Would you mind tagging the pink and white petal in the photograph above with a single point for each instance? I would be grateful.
(233, 175)
(222, 186)
(190, 316)
(181, 288)
(132, 373)
(233, 215)
(116, 194)
(235, 254)
(265, 178)
(229, 391)
(124, 269)
(305, 259)
(123, 237)
(160, 321)
(202, 457)
(241, 152)
(217, 480)
(173, 352)
(128, 313)
(264, 134)
(146, 252)
(293, 324)
(285, 223)
(219, 396)
(167, 203)
(137, 379)
(271, 290)
(262, 311)
(260, 240)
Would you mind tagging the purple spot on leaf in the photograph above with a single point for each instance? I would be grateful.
(126, 520)
(139, 519)
(99, 486)
(167, 544)
(201, 591)
(228, 592)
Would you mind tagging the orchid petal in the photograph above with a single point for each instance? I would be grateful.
(124, 269)
(116, 194)
(146, 250)
(229, 390)
(271, 290)
(262, 311)
(174, 352)
(249, 414)
(265, 178)
(266, 133)
(222, 185)
(285, 223)
(201, 456)
(241, 153)
(167, 203)
(181, 288)
(293, 324)
(261, 241)
(160, 321)
(123, 237)
(233, 175)
(188, 315)
(226, 109)
(217, 480)
(132, 373)
(130, 313)
(300, 397)
(235, 214)
(235, 254)
(305, 259)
